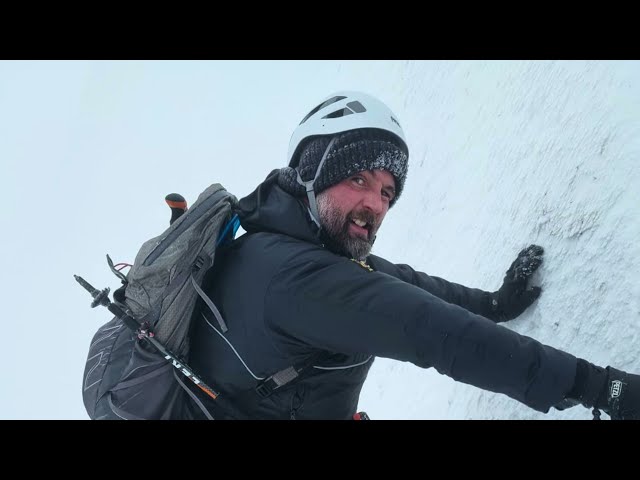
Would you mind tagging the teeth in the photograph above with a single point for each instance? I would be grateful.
(360, 223)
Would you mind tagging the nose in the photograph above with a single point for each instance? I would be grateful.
(373, 201)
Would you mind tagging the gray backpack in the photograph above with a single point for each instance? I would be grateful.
(126, 378)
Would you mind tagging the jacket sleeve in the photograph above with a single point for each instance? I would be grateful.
(331, 303)
(475, 300)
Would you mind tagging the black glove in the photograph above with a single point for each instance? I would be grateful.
(514, 297)
(615, 392)
(622, 401)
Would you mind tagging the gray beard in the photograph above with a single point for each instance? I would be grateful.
(335, 230)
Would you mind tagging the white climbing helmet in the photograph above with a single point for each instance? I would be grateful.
(341, 112)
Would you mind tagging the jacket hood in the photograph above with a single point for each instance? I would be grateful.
(270, 209)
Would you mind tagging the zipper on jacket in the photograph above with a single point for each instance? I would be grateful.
(296, 402)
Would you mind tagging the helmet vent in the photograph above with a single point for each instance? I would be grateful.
(339, 113)
(322, 105)
(356, 107)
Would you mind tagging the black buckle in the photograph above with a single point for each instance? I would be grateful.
(199, 263)
(266, 388)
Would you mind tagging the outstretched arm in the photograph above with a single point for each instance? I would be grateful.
(514, 296)
(321, 301)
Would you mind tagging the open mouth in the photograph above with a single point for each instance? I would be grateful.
(360, 227)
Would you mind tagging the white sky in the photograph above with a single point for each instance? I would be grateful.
(503, 154)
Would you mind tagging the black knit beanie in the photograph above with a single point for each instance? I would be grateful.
(352, 152)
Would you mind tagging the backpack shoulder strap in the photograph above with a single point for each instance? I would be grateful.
(285, 376)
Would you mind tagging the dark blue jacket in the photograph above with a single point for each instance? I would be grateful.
(285, 297)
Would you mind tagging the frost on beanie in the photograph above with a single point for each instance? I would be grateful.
(352, 152)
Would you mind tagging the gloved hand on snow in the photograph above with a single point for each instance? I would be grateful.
(515, 296)
(615, 392)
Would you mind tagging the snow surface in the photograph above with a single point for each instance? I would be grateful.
(505, 154)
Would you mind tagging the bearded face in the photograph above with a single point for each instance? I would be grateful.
(347, 232)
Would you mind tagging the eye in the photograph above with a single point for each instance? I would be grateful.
(358, 180)
(388, 195)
